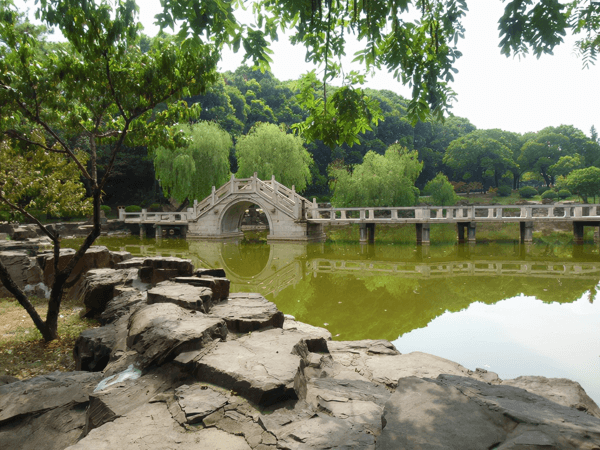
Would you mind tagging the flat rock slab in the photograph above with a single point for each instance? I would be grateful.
(44, 393)
(198, 401)
(559, 390)
(187, 296)
(248, 312)
(151, 427)
(566, 428)
(218, 285)
(426, 415)
(292, 324)
(260, 367)
(380, 362)
(319, 431)
(359, 402)
(162, 331)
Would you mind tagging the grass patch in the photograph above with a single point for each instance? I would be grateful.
(23, 352)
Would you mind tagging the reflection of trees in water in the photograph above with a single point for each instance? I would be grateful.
(388, 306)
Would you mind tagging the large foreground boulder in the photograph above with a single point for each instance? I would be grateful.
(99, 287)
(259, 366)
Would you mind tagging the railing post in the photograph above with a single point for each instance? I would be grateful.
(212, 195)
(143, 217)
(578, 211)
(362, 214)
(232, 184)
(394, 214)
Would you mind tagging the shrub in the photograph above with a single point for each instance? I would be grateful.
(441, 191)
(527, 192)
(542, 189)
(504, 191)
(154, 207)
(492, 191)
(105, 208)
(564, 193)
(550, 194)
(133, 208)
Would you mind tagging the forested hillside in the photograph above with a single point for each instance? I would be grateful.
(242, 99)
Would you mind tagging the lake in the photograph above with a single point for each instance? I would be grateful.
(502, 306)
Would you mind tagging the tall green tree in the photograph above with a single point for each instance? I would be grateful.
(441, 191)
(381, 180)
(268, 150)
(477, 157)
(585, 183)
(189, 172)
(100, 88)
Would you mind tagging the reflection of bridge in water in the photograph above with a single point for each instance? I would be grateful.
(271, 268)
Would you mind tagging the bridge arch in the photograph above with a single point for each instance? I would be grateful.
(230, 218)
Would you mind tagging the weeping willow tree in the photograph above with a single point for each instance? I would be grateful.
(381, 180)
(268, 150)
(190, 172)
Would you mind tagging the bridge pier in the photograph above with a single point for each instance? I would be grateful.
(526, 229)
(579, 230)
(367, 232)
(471, 229)
(142, 230)
(423, 233)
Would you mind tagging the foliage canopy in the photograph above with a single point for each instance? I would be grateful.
(381, 180)
(268, 150)
(190, 171)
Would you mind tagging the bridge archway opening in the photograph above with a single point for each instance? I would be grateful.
(244, 212)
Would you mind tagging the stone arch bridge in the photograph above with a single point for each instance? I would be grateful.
(219, 216)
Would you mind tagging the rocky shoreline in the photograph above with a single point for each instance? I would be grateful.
(180, 362)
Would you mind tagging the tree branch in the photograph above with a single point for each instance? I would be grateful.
(38, 223)
(15, 135)
(37, 120)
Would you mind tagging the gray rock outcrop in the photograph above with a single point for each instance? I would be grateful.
(244, 313)
(236, 374)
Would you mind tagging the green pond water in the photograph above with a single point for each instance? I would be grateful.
(505, 307)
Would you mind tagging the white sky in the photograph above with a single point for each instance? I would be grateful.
(493, 91)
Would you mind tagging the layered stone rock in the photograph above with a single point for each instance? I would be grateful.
(127, 299)
(116, 400)
(99, 287)
(96, 257)
(185, 295)
(25, 272)
(460, 412)
(161, 331)
(93, 348)
(45, 412)
(261, 366)
(152, 427)
(244, 313)
(559, 390)
(218, 285)
(157, 269)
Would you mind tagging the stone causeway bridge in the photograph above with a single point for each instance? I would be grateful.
(292, 217)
